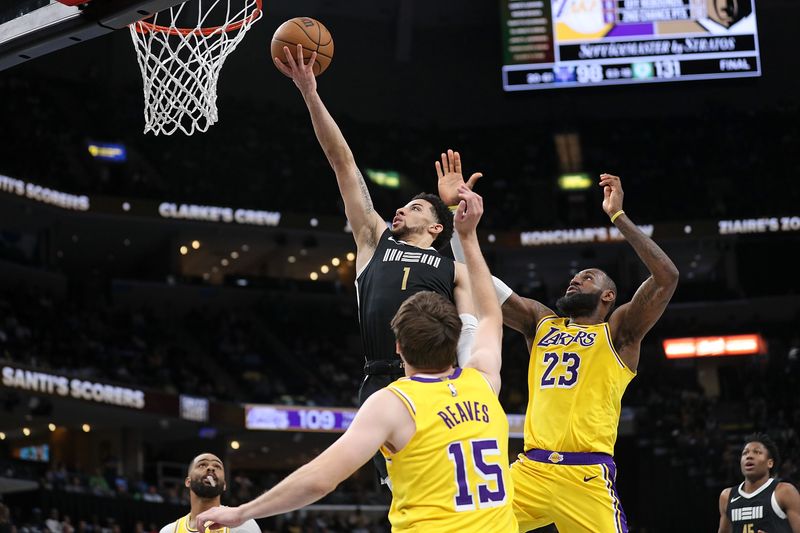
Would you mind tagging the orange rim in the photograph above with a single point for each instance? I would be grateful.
(145, 27)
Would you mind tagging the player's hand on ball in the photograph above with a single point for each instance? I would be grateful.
(612, 193)
(302, 73)
(469, 212)
(450, 177)
(219, 517)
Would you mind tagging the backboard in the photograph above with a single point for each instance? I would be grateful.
(32, 28)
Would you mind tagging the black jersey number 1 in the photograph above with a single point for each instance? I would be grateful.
(406, 272)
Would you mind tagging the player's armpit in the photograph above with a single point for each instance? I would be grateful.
(522, 314)
(366, 223)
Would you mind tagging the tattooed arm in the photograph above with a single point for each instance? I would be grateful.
(630, 322)
(367, 225)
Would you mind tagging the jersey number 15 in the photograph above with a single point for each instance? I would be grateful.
(491, 473)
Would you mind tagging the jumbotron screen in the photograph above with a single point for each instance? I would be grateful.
(550, 44)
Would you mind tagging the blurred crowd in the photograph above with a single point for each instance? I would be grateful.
(687, 169)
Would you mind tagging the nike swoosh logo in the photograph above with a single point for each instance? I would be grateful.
(734, 499)
(589, 478)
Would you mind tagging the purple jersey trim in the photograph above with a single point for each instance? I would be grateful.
(454, 375)
(569, 458)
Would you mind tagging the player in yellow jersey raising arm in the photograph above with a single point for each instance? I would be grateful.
(580, 364)
(441, 428)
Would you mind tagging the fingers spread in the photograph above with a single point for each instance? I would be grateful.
(439, 173)
(290, 58)
(445, 165)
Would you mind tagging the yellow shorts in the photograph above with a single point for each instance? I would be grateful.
(577, 498)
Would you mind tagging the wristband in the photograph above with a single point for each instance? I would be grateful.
(616, 215)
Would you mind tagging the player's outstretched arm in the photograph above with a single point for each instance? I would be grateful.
(725, 525)
(520, 314)
(489, 333)
(366, 223)
(789, 501)
(630, 322)
(382, 419)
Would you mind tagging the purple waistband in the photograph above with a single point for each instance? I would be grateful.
(569, 458)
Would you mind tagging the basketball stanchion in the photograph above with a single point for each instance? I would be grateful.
(180, 55)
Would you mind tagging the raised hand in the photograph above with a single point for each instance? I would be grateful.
(450, 177)
(302, 73)
(612, 193)
(469, 212)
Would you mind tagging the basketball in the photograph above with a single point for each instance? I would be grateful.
(312, 34)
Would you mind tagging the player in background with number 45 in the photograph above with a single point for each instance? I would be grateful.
(442, 429)
(581, 362)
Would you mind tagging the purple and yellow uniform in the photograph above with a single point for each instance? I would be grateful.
(453, 474)
(567, 474)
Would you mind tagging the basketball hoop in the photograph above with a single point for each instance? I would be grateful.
(181, 65)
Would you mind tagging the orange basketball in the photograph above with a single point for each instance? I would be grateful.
(312, 34)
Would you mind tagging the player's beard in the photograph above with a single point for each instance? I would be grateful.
(205, 491)
(404, 232)
(578, 304)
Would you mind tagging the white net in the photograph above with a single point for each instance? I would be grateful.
(180, 64)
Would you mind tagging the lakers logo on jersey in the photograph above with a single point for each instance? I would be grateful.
(557, 337)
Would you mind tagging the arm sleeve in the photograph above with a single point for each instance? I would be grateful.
(469, 324)
(502, 290)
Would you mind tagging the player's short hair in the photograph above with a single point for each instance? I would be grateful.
(443, 216)
(427, 328)
(769, 444)
(193, 461)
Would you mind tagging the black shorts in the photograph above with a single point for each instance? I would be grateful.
(373, 383)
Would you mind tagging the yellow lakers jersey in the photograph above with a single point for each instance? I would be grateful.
(576, 381)
(453, 474)
(181, 525)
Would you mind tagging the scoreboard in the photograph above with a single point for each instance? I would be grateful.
(549, 44)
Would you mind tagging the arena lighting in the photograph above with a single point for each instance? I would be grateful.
(314, 276)
(291, 259)
(692, 347)
(2, 436)
(385, 178)
(86, 428)
(26, 432)
(184, 250)
(574, 182)
(235, 444)
(224, 262)
(351, 256)
(324, 269)
(335, 261)
(234, 255)
(196, 245)
(51, 426)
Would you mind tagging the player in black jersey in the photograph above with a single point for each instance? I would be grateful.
(391, 263)
(761, 503)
